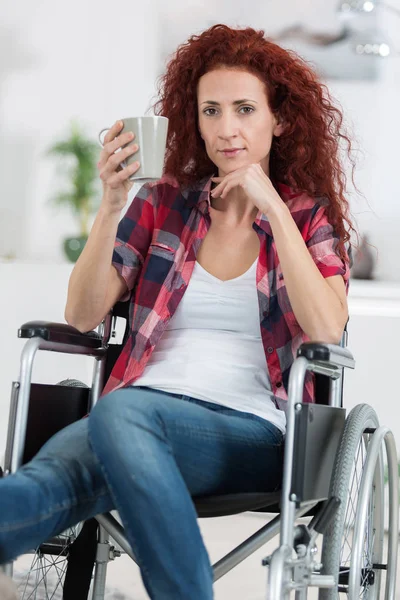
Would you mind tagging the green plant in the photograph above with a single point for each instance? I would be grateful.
(77, 156)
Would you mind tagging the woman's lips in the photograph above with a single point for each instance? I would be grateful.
(232, 153)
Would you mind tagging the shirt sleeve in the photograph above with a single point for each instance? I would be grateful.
(134, 234)
(322, 242)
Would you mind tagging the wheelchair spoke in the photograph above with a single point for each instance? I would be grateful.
(366, 576)
(44, 579)
(350, 514)
(27, 579)
(40, 573)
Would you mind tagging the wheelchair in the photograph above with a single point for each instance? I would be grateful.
(333, 479)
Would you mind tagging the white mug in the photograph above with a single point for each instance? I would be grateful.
(151, 137)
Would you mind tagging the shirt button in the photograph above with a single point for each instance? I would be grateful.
(270, 349)
(279, 384)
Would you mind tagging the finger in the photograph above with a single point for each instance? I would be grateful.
(119, 142)
(110, 148)
(116, 159)
(113, 132)
(226, 190)
(129, 170)
(113, 164)
(219, 189)
(117, 178)
(225, 186)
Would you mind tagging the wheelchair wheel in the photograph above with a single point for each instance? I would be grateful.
(339, 540)
(42, 575)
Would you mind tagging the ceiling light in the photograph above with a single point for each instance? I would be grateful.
(380, 50)
(350, 7)
(374, 43)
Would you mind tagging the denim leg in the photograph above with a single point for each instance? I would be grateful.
(61, 486)
(156, 451)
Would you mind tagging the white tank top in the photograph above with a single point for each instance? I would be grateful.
(212, 350)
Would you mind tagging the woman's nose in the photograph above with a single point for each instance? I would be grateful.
(228, 128)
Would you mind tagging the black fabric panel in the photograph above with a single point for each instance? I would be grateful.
(51, 408)
(81, 559)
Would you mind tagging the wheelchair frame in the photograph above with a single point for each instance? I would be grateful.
(292, 566)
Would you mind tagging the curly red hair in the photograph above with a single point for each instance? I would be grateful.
(307, 154)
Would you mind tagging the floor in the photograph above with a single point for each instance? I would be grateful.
(248, 581)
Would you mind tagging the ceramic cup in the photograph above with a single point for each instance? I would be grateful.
(151, 137)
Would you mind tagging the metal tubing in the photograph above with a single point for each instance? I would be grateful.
(104, 330)
(296, 383)
(97, 380)
(322, 581)
(117, 532)
(393, 515)
(100, 573)
(225, 564)
(278, 582)
(301, 594)
(27, 356)
(246, 548)
(374, 448)
(336, 391)
(253, 543)
(378, 524)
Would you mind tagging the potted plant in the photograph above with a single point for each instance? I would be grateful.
(77, 156)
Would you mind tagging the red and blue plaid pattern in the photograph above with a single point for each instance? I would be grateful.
(155, 252)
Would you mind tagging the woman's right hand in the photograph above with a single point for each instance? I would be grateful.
(115, 179)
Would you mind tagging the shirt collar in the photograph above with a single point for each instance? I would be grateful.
(199, 194)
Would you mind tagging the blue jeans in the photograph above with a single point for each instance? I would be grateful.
(144, 453)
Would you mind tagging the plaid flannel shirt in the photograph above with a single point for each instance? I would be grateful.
(155, 252)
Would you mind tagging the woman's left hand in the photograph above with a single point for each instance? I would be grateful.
(256, 185)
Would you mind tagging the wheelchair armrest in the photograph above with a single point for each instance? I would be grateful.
(60, 332)
(327, 353)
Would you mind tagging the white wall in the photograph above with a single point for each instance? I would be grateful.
(373, 110)
(98, 62)
(95, 61)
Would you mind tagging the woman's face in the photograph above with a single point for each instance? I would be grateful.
(233, 112)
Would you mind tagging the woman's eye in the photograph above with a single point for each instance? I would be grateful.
(250, 107)
(248, 112)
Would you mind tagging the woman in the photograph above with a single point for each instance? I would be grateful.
(230, 261)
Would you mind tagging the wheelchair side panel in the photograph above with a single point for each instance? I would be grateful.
(318, 431)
